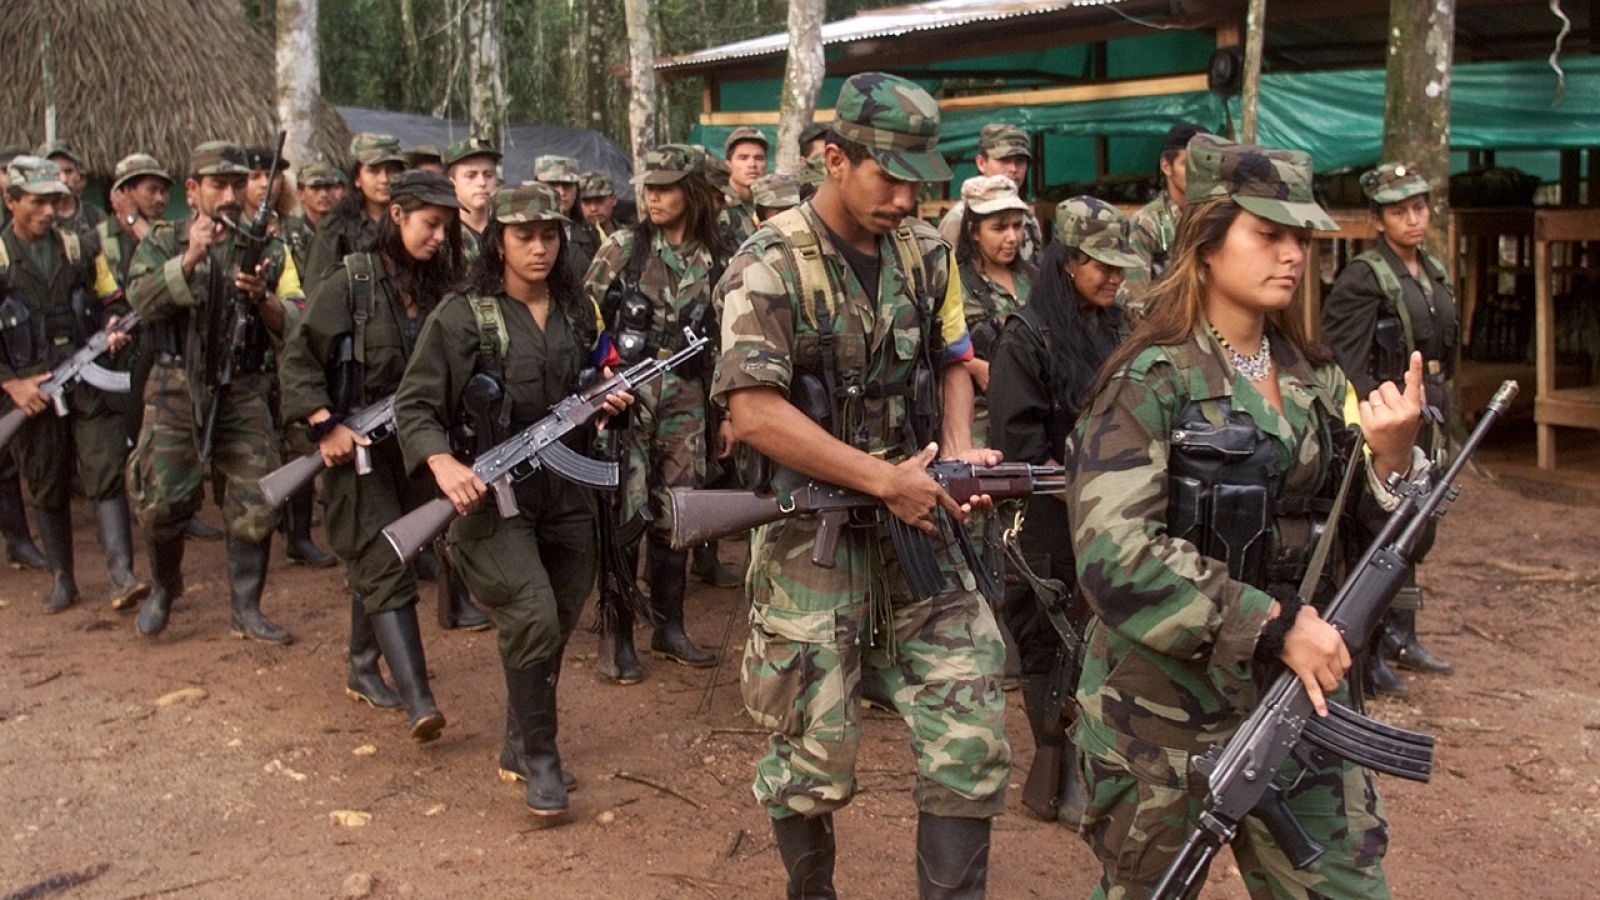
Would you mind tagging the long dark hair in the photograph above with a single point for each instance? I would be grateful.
(702, 202)
(1081, 339)
(967, 241)
(487, 277)
(1173, 306)
(425, 282)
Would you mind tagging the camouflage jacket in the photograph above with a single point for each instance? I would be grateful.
(117, 245)
(986, 304)
(1168, 670)
(674, 278)
(1032, 238)
(768, 337)
(297, 233)
(737, 220)
(1150, 231)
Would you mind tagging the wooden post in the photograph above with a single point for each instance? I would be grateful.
(1544, 346)
(1255, 28)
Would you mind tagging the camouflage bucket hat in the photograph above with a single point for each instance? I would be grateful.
(1097, 229)
(319, 174)
(35, 175)
(218, 158)
(813, 171)
(776, 191)
(137, 165)
(258, 158)
(429, 187)
(897, 121)
(669, 163)
(1000, 141)
(466, 149)
(744, 133)
(556, 170)
(1393, 182)
(1274, 184)
(531, 201)
(376, 149)
(987, 194)
(595, 186)
(59, 148)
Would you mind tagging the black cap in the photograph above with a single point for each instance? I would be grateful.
(812, 132)
(258, 158)
(429, 187)
(1178, 136)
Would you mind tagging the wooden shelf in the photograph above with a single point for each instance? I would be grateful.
(1571, 407)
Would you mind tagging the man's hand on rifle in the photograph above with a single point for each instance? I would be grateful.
(978, 456)
(203, 232)
(252, 284)
(25, 393)
(339, 445)
(914, 497)
(614, 404)
(116, 340)
(1390, 419)
(459, 484)
(1314, 651)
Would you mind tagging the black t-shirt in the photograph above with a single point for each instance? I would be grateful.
(866, 268)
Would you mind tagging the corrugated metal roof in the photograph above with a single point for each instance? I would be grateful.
(885, 23)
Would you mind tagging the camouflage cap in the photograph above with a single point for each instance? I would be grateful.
(468, 148)
(595, 185)
(258, 158)
(776, 191)
(137, 165)
(218, 158)
(744, 133)
(1393, 182)
(988, 194)
(1272, 183)
(669, 163)
(429, 187)
(1097, 229)
(376, 149)
(897, 121)
(556, 170)
(718, 172)
(531, 201)
(1001, 141)
(59, 148)
(35, 175)
(813, 171)
(423, 153)
(319, 174)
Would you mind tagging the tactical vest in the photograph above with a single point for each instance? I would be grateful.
(1395, 334)
(28, 339)
(630, 313)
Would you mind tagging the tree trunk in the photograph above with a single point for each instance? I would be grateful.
(413, 55)
(593, 63)
(802, 79)
(641, 79)
(486, 90)
(299, 77)
(1255, 37)
(1416, 108)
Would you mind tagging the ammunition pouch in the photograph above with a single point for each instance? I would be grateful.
(16, 334)
(1389, 356)
(924, 412)
(1221, 490)
(344, 376)
(476, 431)
(632, 333)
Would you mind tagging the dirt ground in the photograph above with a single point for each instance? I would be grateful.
(237, 793)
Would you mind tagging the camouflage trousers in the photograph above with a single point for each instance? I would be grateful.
(666, 446)
(1139, 814)
(532, 571)
(811, 647)
(165, 478)
(90, 436)
(358, 508)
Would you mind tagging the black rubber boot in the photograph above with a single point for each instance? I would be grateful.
(426, 565)
(401, 639)
(365, 681)
(617, 661)
(1406, 649)
(299, 547)
(55, 532)
(806, 845)
(166, 576)
(512, 766)
(1074, 800)
(952, 857)
(21, 552)
(456, 609)
(196, 529)
(531, 696)
(116, 539)
(709, 568)
(1382, 679)
(668, 581)
(247, 576)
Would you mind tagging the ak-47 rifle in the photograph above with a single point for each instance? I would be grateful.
(700, 515)
(233, 322)
(1241, 775)
(80, 366)
(508, 462)
(373, 422)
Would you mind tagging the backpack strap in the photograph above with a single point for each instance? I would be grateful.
(816, 288)
(1389, 283)
(494, 343)
(359, 270)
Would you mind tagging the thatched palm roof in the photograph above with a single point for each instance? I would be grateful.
(153, 76)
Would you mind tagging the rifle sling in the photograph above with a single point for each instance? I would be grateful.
(1319, 556)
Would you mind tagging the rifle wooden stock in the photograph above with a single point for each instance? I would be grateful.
(417, 529)
(701, 516)
(278, 484)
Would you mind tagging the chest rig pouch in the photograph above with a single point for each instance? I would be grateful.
(27, 339)
(629, 311)
(485, 418)
(1222, 483)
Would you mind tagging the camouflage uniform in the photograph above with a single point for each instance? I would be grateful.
(117, 245)
(1170, 667)
(813, 640)
(85, 216)
(597, 186)
(348, 229)
(775, 192)
(1000, 142)
(563, 170)
(57, 288)
(1154, 226)
(296, 231)
(740, 218)
(985, 303)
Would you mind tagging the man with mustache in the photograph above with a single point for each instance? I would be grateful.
(179, 273)
(836, 302)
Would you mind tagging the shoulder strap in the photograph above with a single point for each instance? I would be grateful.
(973, 283)
(493, 341)
(910, 255)
(71, 245)
(816, 294)
(1389, 282)
(358, 270)
(110, 248)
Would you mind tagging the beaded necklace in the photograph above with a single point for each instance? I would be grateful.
(1254, 367)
